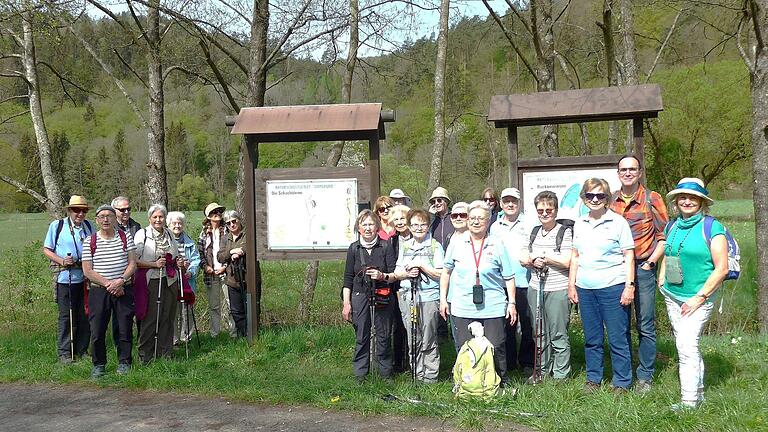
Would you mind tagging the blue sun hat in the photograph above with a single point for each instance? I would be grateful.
(690, 186)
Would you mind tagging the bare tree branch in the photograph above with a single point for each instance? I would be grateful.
(508, 35)
(755, 13)
(280, 80)
(219, 76)
(6, 120)
(63, 79)
(130, 68)
(663, 45)
(744, 56)
(20, 187)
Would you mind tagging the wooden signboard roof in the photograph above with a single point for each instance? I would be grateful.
(573, 106)
(360, 121)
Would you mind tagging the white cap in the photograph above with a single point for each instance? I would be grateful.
(511, 192)
(398, 193)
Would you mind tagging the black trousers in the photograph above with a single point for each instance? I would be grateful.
(494, 331)
(361, 321)
(102, 306)
(237, 310)
(74, 295)
(522, 357)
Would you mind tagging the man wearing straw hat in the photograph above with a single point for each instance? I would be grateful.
(63, 245)
(441, 228)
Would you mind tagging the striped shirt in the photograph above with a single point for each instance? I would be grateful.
(110, 260)
(544, 245)
(646, 221)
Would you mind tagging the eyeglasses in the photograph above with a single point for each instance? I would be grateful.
(507, 202)
(232, 221)
(595, 196)
(418, 226)
(459, 215)
(123, 210)
(384, 209)
(437, 201)
(548, 211)
(105, 217)
(79, 210)
(477, 218)
(631, 170)
(368, 225)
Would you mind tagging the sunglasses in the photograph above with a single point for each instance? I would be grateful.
(214, 212)
(489, 199)
(437, 200)
(548, 211)
(123, 210)
(232, 222)
(79, 210)
(459, 215)
(383, 209)
(595, 196)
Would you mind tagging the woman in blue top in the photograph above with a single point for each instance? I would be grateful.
(481, 276)
(601, 280)
(694, 267)
(176, 223)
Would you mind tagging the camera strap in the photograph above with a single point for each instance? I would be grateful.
(477, 257)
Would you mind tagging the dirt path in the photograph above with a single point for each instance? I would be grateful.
(40, 407)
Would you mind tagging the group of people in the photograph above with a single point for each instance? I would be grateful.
(488, 262)
(119, 271)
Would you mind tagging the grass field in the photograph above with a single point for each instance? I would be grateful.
(309, 363)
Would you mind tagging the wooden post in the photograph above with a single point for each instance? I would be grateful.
(512, 154)
(253, 273)
(373, 158)
(638, 147)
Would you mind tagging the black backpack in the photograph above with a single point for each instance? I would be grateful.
(565, 224)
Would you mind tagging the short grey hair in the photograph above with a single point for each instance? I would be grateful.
(176, 215)
(478, 204)
(231, 214)
(155, 207)
(118, 199)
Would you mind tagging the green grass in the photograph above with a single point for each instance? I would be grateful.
(296, 363)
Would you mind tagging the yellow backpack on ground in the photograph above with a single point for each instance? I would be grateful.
(474, 373)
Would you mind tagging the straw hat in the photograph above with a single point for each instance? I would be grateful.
(77, 201)
(690, 186)
(211, 207)
(439, 192)
(398, 193)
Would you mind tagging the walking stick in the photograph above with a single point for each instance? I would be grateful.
(372, 311)
(414, 326)
(538, 373)
(157, 317)
(240, 279)
(194, 324)
(184, 334)
(71, 313)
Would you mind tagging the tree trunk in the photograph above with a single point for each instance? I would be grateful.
(629, 63)
(157, 187)
(438, 146)
(547, 73)
(54, 201)
(310, 276)
(759, 92)
(610, 66)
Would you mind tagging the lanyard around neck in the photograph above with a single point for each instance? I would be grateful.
(477, 257)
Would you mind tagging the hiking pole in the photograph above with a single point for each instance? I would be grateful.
(157, 317)
(372, 311)
(194, 325)
(240, 279)
(414, 326)
(538, 373)
(183, 305)
(71, 313)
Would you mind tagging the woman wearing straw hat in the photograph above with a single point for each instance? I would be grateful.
(692, 271)
(213, 271)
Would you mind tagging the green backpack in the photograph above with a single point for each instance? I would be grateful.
(474, 374)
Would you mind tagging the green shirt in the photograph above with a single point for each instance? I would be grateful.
(695, 255)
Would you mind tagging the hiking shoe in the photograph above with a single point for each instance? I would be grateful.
(360, 380)
(65, 359)
(527, 371)
(620, 390)
(97, 372)
(535, 379)
(123, 368)
(642, 387)
(591, 387)
(684, 406)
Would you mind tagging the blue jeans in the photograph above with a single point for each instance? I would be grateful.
(645, 317)
(598, 308)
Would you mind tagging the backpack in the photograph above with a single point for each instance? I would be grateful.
(566, 224)
(87, 227)
(474, 373)
(119, 232)
(734, 253)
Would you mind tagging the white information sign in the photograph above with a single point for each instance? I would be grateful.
(311, 214)
(567, 185)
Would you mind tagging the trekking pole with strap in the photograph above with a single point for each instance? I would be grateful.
(158, 303)
(184, 319)
(414, 326)
(372, 311)
(240, 279)
(71, 313)
(538, 373)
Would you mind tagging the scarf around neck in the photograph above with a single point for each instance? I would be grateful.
(370, 244)
(690, 222)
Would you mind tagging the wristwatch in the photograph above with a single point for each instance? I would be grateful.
(126, 280)
(630, 283)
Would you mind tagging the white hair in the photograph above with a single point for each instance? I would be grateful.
(118, 199)
(478, 204)
(155, 207)
(176, 215)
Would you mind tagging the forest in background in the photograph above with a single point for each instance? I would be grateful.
(99, 147)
